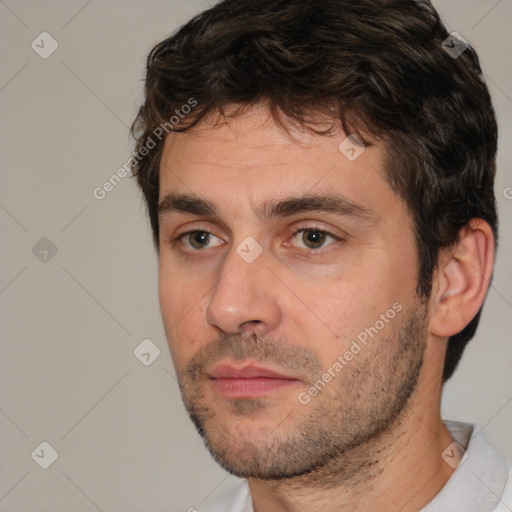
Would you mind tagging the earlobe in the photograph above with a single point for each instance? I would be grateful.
(462, 279)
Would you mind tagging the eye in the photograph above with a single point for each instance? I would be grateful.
(314, 238)
(311, 238)
(196, 240)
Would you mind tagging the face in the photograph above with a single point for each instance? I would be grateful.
(287, 278)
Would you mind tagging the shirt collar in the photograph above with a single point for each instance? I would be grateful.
(478, 482)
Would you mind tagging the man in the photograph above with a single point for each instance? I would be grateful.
(319, 181)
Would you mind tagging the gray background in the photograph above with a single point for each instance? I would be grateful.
(70, 323)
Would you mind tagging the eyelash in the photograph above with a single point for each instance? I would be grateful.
(176, 241)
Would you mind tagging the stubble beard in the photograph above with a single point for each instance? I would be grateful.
(334, 438)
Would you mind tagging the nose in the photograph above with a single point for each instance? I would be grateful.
(245, 296)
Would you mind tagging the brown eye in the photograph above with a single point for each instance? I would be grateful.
(313, 238)
(196, 240)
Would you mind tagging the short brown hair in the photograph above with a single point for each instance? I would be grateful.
(377, 66)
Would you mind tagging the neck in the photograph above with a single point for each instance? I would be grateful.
(399, 469)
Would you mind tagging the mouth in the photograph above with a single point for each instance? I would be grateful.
(248, 380)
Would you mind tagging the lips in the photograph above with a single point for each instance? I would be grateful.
(248, 371)
(248, 381)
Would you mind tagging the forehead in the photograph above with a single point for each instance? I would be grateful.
(251, 155)
(254, 133)
(253, 138)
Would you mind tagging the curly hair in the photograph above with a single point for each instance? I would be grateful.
(381, 68)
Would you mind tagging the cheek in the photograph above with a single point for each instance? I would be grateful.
(174, 292)
(182, 312)
(349, 308)
(337, 310)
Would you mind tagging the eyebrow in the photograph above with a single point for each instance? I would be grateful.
(270, 209)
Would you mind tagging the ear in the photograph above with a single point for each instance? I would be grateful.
(462, 279)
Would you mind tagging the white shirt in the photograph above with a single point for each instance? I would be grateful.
(481, 483)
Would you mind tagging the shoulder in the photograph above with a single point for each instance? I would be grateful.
(482, 480)
(485, 478)
(235, 499)
(505, 504)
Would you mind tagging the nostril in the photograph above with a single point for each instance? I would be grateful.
(250, 323)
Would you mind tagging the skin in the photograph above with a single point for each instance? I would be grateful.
(372, 439)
